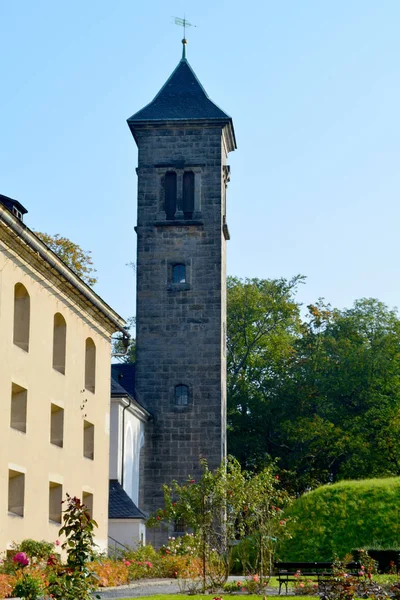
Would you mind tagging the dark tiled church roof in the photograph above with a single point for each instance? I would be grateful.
(120, 506)
(123, 380)
(182, 97)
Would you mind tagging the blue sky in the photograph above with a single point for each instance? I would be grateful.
(313, 89)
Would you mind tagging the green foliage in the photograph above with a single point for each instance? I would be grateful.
(334, 519)
(74, 581)
(35, 550)
(263, 322)
(321, 396)
(129, 354)
(223, 507)
(78, 260)
(28, 587)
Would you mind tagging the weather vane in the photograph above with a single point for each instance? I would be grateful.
(183, 23)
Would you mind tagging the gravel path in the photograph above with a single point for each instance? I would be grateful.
(152, 587)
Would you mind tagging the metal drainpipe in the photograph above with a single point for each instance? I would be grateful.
(123, 441)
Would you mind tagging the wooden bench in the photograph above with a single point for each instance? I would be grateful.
(320, 571)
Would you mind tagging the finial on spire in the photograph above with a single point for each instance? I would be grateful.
(183, 23)
(184, 43)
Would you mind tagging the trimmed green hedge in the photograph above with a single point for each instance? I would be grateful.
(334, 519)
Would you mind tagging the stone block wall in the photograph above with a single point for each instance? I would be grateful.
(181, 327)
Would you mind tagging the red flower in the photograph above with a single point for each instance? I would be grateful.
(277, 477)
(191, 481)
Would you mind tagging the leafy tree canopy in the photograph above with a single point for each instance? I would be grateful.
(321, 395)
(78, 260)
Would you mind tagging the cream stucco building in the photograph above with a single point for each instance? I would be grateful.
(54, 387)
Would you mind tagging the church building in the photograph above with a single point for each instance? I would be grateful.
(183, 140)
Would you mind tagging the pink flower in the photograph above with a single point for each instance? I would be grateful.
(21, 558)
(57, 542)
(148, 564)
(243, 589)
(301, 584)
(277, 477)
(127, 563)
(255, 578)
(191, 481)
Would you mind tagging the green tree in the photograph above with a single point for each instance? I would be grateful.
(224, 506)
(78, 260)
(263, 324)
(341, 396)
(127, 353)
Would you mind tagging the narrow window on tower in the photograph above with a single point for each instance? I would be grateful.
(179, 274)
(181, 395)
(188, 194)
(170, 194)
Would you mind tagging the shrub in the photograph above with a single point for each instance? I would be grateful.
(7, 583)
(37, 551)
(333, 519)
(110, 573)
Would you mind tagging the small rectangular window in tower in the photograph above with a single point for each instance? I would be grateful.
(16, 492)
(19, 397)
(55, 499)
(188, 194)
(88, 440)
(179, 526)
(87, 499)
(179, 273)
(170, 194)
(181, 395)
(57, 425)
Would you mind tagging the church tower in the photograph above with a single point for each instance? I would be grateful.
(183, 140)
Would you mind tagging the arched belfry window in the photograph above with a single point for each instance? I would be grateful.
(90, 365)
(181, 395)
(170, 194)
(59, 343)
(22, 316)
(179, 273)
(188, 194)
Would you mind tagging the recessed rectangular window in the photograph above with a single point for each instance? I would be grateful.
(19, 397)
(59, 343)
(57, 425)
(170, 194)
(22, 308)
(179, 273)
(16, 492)
(181, 395)
(87, 499)
(88, 440)
(55, 499)
(188, 194)
(90, 365)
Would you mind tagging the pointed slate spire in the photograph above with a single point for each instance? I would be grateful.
(181, 98)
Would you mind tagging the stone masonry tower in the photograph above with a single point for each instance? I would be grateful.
(183, 140)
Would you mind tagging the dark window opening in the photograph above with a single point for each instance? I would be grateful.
(179, 274)
(179, 526)
(181, 395)
(188, 194)
(170, 194)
